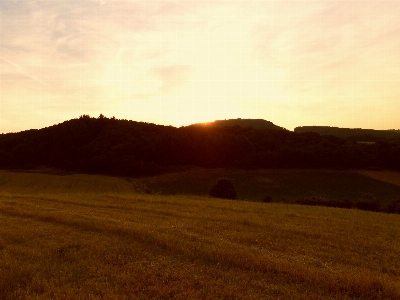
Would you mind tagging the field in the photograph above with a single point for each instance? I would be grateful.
(284, 185)
(96, 237)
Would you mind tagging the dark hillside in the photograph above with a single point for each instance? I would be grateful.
(355, 134)
(281, 184)
(128, 148)
(255, 123)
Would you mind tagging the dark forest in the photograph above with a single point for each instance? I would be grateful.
(127, 148)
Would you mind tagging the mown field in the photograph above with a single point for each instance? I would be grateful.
(284, 185)
(97, 237)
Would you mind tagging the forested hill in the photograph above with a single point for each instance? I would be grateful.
(356, 134)
(255, 123)
(128, 148)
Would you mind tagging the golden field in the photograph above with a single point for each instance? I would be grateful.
(96, 237)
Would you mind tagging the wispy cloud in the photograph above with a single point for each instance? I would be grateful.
(192, 61)
(172, 77)
(332, 52)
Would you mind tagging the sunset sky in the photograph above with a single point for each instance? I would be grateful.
(294, 63)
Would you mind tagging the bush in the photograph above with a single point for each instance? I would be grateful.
(346, 204)
(370, 206)
(393, 208)
(223, 188)
(266, 199)
(368, 202)
(318, 201)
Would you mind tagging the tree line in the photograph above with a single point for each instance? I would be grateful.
(355, 134)
(127, 148)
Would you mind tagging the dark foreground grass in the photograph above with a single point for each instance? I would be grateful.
(104, 245)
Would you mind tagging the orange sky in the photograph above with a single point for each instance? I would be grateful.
(294, 63)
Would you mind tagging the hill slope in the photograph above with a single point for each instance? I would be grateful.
(284, 185)
(255, 123)
(127, 148)
(105, 245)
(357, 134)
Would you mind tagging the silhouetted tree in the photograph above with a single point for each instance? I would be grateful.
(128, 148)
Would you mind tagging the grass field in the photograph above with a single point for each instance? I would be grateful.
(385, 176)
(96, 237)
(285, 185)
(63, 183)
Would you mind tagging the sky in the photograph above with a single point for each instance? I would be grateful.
(294, 63)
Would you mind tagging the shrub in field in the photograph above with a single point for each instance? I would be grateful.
(308, 201)
(393, 208)
(370, 204)
(266, 199)
(368, 201)
(367, 205)
(319, 201)
(346, 204)
(223, 188)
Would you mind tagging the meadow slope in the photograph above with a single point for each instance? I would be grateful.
(284, 185)
(95, 237)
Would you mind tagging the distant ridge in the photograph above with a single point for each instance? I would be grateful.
(255, 123)
(358, 134)
(127, 148)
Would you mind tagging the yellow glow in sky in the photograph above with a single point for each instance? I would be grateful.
(293, 63)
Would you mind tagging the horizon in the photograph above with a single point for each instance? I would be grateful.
(200, 123)
(293, 63)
